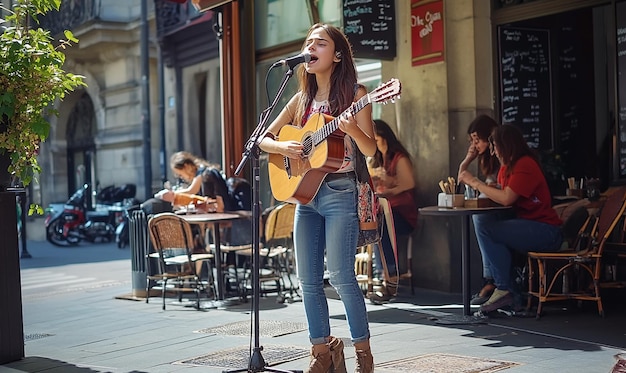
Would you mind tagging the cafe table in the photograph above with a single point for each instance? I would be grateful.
(465, 213)
(214, 218)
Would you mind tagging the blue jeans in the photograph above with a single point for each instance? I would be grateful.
(485, 220)
(499, 238)
(329, 224)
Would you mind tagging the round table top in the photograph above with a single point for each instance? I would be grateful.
(459, 211)
(210, 217)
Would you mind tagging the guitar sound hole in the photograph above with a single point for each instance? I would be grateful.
(307, 146)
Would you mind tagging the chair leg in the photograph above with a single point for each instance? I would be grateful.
(542, 286)
(409, 259)
(596, 286)
(147, 290)
(410, 262)
(164, 285)
(198, 289)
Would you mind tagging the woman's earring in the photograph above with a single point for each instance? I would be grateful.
(337, 56)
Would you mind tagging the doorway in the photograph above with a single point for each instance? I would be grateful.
(81, 148)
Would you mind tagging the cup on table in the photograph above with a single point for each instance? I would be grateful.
(191, 208)
(470, 192)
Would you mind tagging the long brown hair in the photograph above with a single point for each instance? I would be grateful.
(511, 146)
(178, 161)
(394, 145)
(343, 79)
(483, 125)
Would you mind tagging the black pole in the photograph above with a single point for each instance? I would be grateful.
(162, 150)
(22, 197)
(145, 100)
(257, 363)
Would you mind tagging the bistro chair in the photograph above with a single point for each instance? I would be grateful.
(583, 259)
(277, 252)
(614, 259)
(364, 261)
(363, 268)
(173, 243)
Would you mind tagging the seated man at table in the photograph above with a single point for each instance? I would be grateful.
(536, 226)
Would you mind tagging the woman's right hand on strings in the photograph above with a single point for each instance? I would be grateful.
(290, 149)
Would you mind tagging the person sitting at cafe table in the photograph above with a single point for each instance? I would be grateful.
(204, 180)
(535, 226)
(393, 177)
(206, 191)
(478, 132)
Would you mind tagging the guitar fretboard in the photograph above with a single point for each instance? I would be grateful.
(320, 135)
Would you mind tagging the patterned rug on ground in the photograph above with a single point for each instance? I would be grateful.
(267, 328)
(239, 357)
(443, 363)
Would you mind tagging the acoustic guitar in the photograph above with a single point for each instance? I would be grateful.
(298, 180)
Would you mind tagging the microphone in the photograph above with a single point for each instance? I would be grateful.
(294, 60)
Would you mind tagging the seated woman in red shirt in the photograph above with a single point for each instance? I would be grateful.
(535, 226)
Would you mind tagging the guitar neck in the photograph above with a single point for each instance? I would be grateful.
(330, 127)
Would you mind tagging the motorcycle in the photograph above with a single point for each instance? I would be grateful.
(122, 231)
(73, 223)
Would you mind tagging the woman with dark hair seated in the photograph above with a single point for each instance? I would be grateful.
(535, 226)
(397, 184)
(478, 133)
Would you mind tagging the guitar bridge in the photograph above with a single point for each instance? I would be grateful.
(287, 164)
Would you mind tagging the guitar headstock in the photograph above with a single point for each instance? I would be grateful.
(389, 91)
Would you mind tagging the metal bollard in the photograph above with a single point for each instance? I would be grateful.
(139, 247)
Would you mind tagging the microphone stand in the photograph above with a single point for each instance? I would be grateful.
(257, 363)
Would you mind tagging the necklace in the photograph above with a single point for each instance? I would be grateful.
(322, 95)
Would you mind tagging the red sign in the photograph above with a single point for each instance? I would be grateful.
(426, 31)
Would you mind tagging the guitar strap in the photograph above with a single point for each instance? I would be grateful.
(360, 163)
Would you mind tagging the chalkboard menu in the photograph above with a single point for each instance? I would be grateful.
(621, 81)
(525, 90)
(371, 28)
(569, 81)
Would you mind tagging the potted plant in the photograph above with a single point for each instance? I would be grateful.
(32, 78)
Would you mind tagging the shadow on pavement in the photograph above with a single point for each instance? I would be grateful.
(44, 254)
(565, 325)
(34, 364)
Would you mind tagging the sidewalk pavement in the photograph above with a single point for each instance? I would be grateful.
(95, 331)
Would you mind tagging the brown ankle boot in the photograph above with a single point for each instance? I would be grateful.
(336, 351)
(321, 361)
(364, 358)
(327, 357)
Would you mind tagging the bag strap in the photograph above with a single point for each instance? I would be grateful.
(360, 164)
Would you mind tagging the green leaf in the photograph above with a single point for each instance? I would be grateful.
(68, 34)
